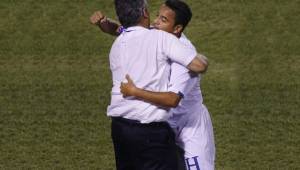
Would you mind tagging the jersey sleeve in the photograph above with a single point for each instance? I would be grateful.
(177, 51)
(181, 81)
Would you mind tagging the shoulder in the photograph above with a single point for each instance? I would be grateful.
(117, 41)
(186, 41)
(162, 34)
(116, 45)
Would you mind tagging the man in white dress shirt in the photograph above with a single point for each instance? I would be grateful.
(142, 138)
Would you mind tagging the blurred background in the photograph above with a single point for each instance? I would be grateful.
(55, 82)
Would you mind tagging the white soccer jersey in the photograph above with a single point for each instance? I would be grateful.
(182, 80)
(191, 120)
(145, 55)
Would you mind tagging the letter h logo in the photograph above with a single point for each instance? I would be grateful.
(192, 163)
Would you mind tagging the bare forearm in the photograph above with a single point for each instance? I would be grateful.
(199, 64)
(164, 99)
(109, 26)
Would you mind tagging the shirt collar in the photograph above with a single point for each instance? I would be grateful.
(134, 28)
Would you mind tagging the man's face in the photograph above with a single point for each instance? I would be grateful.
(165, 19)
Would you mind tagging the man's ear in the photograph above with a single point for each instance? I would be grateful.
(146, 13)
(178, 29)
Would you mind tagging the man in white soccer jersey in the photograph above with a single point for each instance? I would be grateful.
(191, 120)
(142, 140)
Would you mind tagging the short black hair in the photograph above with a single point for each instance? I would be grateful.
(183, 13)
(129, 12)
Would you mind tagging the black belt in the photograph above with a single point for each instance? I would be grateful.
(138, 123)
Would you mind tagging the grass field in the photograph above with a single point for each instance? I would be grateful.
(55, 83)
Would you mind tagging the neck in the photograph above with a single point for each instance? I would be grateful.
(144, 23)
(178, 35)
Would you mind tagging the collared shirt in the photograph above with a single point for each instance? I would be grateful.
(146, 56)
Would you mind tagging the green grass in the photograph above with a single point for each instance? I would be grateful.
(55, 83)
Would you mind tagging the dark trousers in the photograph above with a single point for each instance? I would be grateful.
(143, 146)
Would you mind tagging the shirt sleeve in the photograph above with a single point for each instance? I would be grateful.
(177, 51)
(181, 81)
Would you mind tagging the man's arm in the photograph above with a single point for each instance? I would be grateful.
(164, 99)
(180, 53)
(105, 24)
(199, 64)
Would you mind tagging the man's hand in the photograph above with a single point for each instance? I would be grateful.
(105, 24)
(97, 18)
(129, 88)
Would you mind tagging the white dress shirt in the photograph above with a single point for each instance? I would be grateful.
(146, 55)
